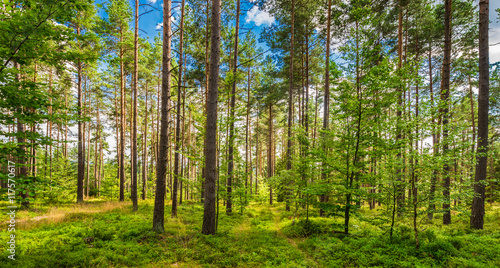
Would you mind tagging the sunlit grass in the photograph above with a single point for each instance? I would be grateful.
(262, 236)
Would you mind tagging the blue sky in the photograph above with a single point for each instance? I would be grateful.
(256, 19)
(150, 22)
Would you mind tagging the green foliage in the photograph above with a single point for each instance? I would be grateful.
(261, 237)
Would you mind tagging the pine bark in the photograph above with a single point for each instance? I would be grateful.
(290, 107)
(211, 125)
(326, 104)
(161, 172)
(145, 148)
(122, 121)
(477, 212)
(178, 119)
(445, 97)
(134, 115)
(230, 166)
(270, 149)
(81, 148)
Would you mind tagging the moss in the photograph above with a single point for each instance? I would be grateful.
(258, 238)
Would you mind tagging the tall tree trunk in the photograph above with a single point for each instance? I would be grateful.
(477, 212)
(178, 118)
(257, 152)
(182, 139)
(88, 126)
(81, 146)
(66, 122)
(399, 175)
(134, 115)
(445, 96)
(96, 137)
(432, 205)
(230, 165)
(290, 107)
(145, 148)
(122, 121)
(270, 149)
(247, 130)
(49, 131)
(101, 170)
(211, 127)
(415, 167)
(21, 150)
(207, 73)
(161, 172)
(117, 138)
(326, 104)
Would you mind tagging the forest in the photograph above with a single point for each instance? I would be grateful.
(250, 133)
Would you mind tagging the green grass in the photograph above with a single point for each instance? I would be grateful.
(263, 236)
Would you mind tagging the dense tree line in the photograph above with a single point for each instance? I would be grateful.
(354, 103)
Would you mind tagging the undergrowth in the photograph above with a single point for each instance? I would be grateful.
(262, 236)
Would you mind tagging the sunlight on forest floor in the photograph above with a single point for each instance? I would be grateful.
(261, 236)
(38, 215)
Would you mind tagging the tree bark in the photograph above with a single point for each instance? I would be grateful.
(145, 148)
(326, 104)
(400, 190)
(230, 164)
(134, 116)
(247, 146)
(81, 146)
(178, 118)
(432, 205)
(161, 172)
(122, 121)
(477, 212)
(270, 148)
(211, 126)
(290, 107)
(445, 96)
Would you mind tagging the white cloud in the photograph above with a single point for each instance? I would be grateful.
(151, 1)
(494, 33)
(159, 25)
(259, 17)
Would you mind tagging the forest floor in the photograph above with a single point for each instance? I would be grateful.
(262, 236)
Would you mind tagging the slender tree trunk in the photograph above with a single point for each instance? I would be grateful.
(270, 149)
(257, 152)
(182, 138)
(81, 146)
(96, 137)
(290, 107)
(445, 96)
(66, 122)
(49, 132)
(178, 118)
(122, 121)
(101, 170)
(247, 146)
(211, 127)
(230, 166)
(326, 104)
(207, 72)
(432, 205)
(161, 172)
(145, 148)
(416, 167)
(477, 212)
(134, 115)
(88, 126)
(315, 117)
(399, 172)
(21, 150)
